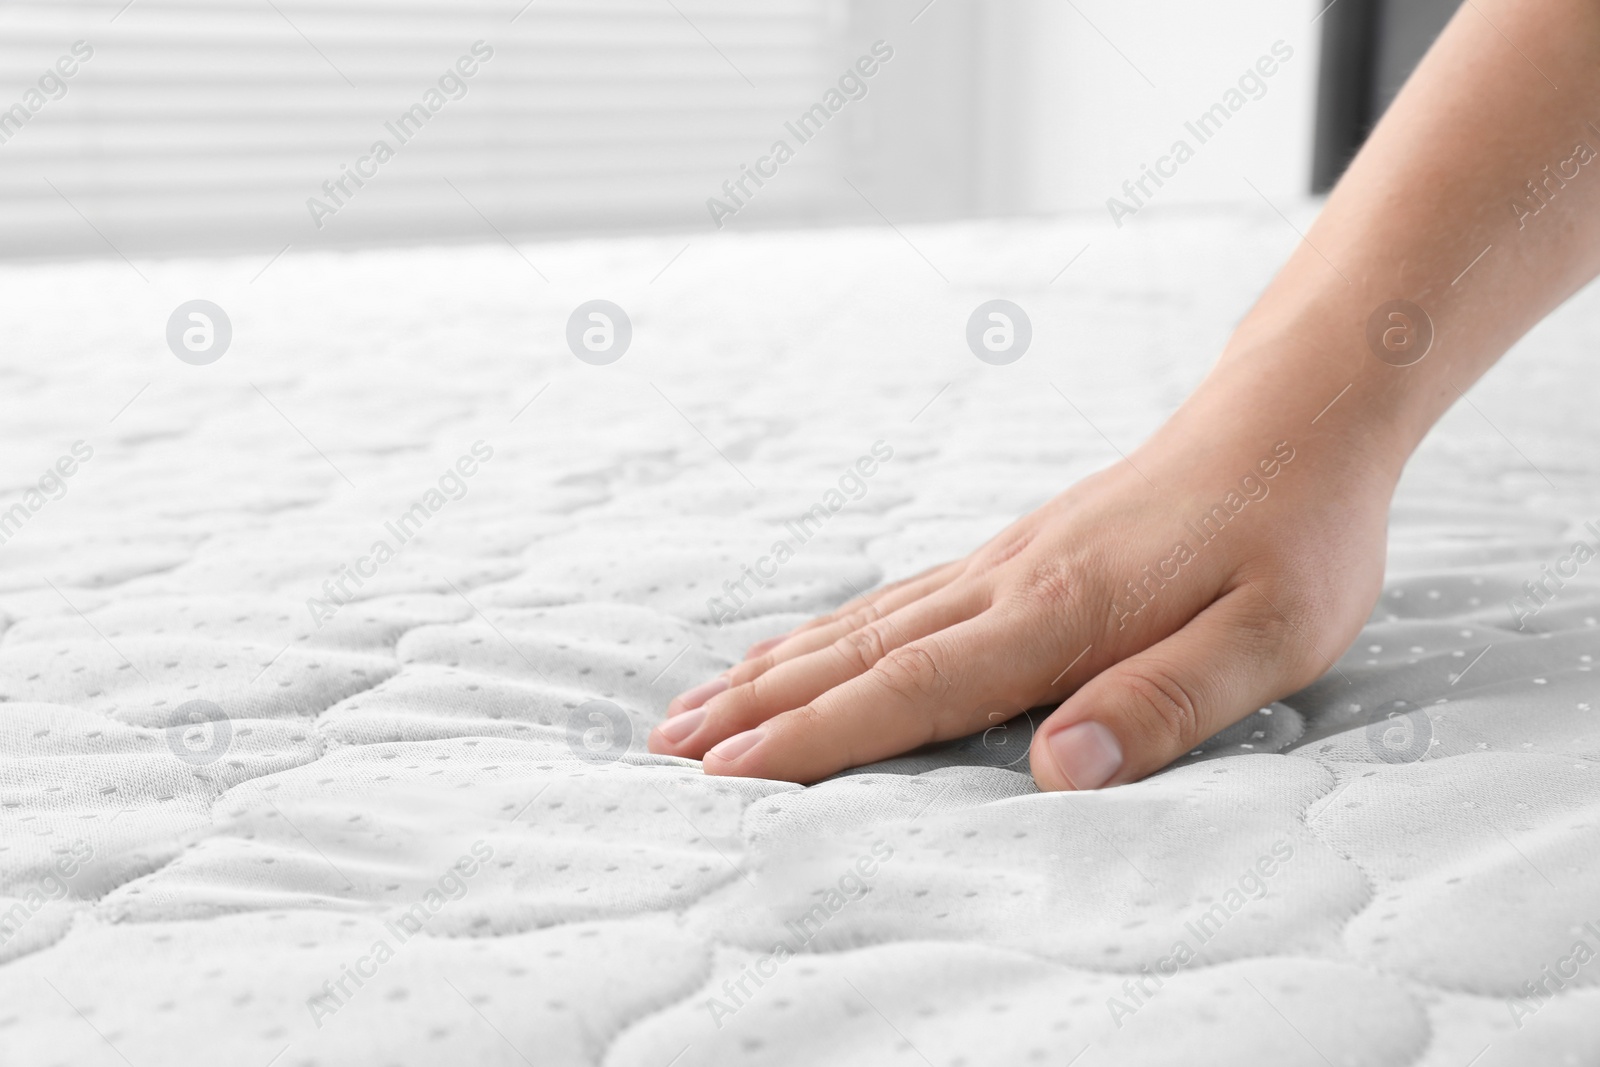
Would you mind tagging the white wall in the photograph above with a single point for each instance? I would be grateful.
(1036, 106)
(1090, 120)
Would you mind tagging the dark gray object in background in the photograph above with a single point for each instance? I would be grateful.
(1369, 48)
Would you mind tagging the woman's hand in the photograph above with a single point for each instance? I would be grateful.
(1158, 602)
(1154, 628)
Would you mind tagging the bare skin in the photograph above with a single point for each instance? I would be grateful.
(1088, 602)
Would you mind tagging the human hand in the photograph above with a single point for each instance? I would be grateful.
(1157, 601)
(1042, 613)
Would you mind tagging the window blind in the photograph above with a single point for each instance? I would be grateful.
(198, 124)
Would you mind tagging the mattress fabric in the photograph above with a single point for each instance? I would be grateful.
(271, 795)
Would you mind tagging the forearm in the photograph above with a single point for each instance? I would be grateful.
(1428, 213)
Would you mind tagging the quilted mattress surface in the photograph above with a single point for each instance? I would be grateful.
(270, 795)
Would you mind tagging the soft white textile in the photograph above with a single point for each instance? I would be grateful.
(431, 716)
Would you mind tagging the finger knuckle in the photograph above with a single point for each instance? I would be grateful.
(849, 613)
(912, 669)
(860, 616)
(861, 648)
(1167, 705)
(1055, 589)
(752, 669)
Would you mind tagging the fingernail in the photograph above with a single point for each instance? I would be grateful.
(737, 745)
(693, 698)
(679, 727)
(1086, 754)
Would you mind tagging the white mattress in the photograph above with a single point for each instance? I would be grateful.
(613, 905)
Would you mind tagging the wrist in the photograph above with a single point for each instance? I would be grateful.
(1349, 424)
(1360, 375)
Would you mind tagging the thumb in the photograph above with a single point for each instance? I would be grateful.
(1138, 716)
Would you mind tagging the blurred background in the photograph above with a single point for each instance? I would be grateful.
(152, 127)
